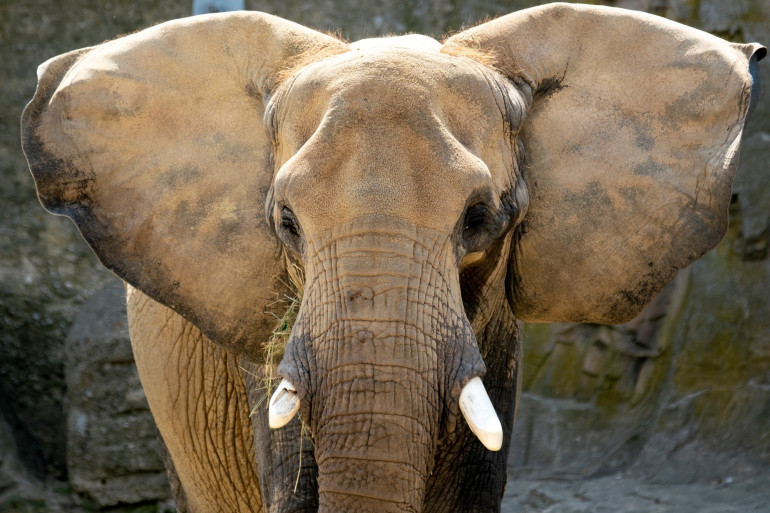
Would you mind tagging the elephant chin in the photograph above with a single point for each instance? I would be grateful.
(379, 365)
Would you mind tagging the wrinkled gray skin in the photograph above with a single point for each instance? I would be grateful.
(430, 193)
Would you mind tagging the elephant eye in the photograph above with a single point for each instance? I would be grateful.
(476, 216)
(289, 222)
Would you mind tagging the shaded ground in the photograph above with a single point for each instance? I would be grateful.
(613, 494)
(622, 494)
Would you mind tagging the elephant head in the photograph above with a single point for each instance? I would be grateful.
(557, 164)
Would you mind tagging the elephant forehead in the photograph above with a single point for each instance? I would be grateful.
(416, 88)
(388, 68)
(397, 132)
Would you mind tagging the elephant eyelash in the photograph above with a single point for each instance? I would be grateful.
(289, 222)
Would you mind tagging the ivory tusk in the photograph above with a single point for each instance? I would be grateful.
(283, 405)
(480, 414)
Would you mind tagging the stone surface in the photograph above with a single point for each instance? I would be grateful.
(623, 494)
(113, 453)
(754, 196)
(690, 385)
(15, 483)
(591, 392)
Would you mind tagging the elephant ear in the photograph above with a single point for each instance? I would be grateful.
(155, 145)
(630, 147)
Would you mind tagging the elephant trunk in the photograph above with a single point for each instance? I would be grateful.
(378, 357)
(376, 418)
(375, 444)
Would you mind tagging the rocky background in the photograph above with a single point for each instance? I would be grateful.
(681, 395)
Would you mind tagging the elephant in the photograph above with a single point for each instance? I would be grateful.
(559, 163)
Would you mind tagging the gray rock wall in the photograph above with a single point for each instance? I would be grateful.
(686, 383)
(113, 453)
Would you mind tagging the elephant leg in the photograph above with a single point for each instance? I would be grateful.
(197, 396)
(177, 492)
